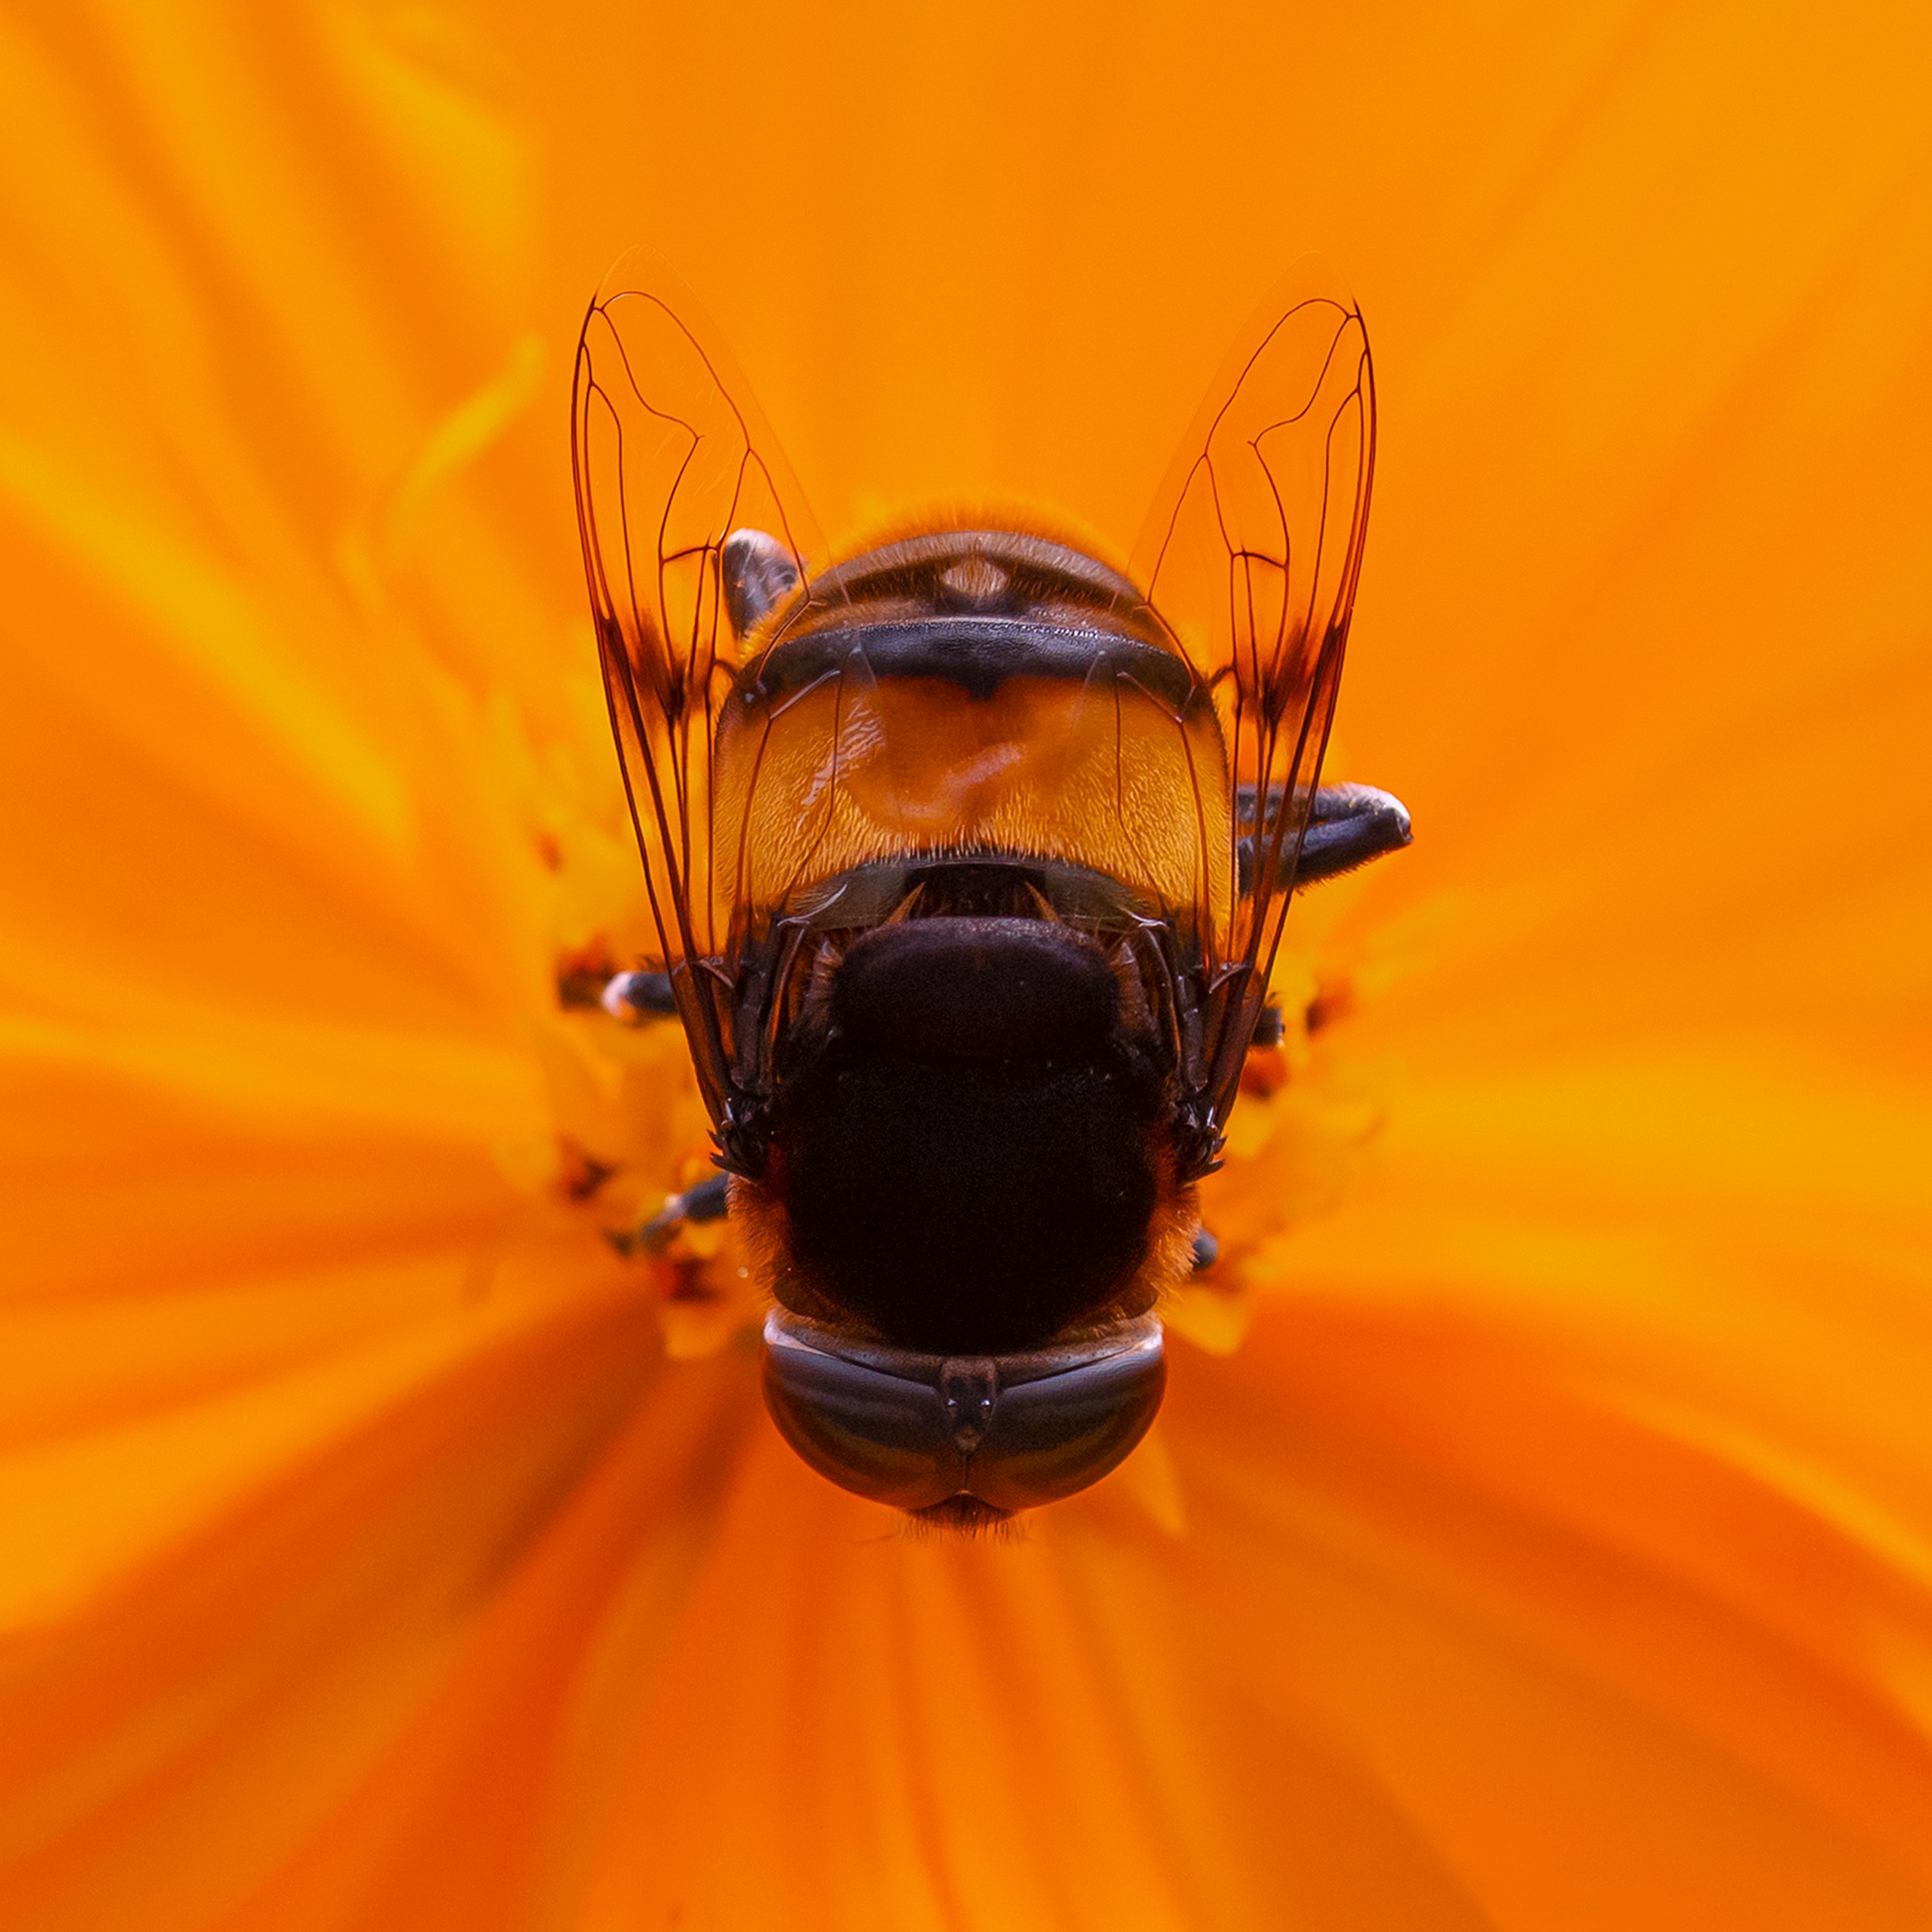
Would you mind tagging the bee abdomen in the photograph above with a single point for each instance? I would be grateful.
(977, 654)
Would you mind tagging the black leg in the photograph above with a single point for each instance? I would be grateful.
(633, 997)
(707, 1201)
(1349, 825)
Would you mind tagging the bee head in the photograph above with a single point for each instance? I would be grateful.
(960, 1440)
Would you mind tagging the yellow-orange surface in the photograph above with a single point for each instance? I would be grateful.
(1108, 777)
(1539, 1533)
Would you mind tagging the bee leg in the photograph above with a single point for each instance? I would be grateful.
(706, 1201)
(634, 998)
(1347, 826)
(758, 573)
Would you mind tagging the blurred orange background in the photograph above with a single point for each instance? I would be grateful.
(1539, 1536)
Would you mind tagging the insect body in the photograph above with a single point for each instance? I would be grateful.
(969, 856)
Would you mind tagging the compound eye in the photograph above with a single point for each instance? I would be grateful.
(882, 1434)
(917, 1430)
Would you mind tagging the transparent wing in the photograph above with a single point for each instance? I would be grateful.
(1249, 557)
(670, 456)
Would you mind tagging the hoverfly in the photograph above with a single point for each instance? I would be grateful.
(969, 856)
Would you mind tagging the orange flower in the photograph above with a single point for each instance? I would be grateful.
(379, 1548)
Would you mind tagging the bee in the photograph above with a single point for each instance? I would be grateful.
(969, 855)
